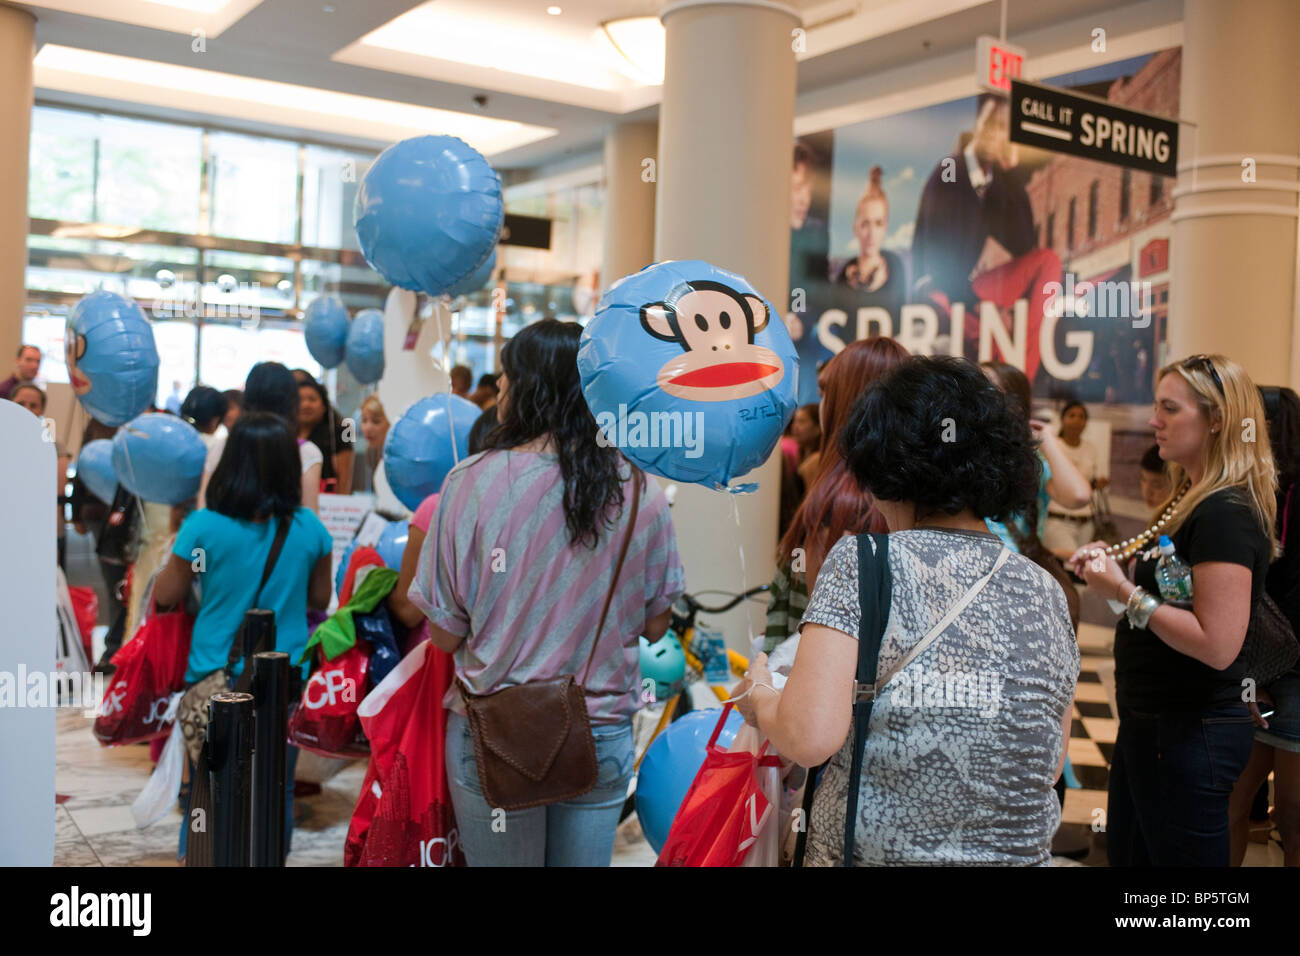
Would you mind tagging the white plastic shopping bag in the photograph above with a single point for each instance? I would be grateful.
(164, 786)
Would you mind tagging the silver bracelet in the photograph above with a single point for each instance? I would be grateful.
(1141, 605)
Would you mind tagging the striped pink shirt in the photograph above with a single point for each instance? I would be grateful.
(497, 568)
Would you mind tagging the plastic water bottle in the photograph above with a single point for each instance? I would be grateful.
(1173, 576)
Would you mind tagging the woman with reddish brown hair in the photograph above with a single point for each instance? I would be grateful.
(835, 505)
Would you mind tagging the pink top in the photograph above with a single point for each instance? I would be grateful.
(422, 518)
(424, 514)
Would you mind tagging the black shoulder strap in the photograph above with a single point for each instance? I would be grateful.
(277, 545)
(873, 597)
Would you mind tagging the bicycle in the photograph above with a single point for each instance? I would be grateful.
(699, 655)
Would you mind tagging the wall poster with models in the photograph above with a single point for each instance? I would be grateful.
(932, 227)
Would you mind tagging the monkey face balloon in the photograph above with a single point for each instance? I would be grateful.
(111, 356)
(685, 372)
(715, 327)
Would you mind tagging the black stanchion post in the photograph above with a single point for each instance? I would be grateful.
(258, 631)
(271, 709)
(230, 743)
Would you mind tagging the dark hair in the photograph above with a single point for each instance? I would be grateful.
(1013, 382)
(545, 396)
(260, 472)
(271, 388)
(488, 381)
(834, 504)
(302, 376)
(324, 394)
(462, 373)
(35, 388)
(1282, 409)
(234, 396)
(803, 155)
(204, 407)
(936, 432)
(1073, 403)
(1151, 461)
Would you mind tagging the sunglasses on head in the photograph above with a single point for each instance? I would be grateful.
(1203, 361)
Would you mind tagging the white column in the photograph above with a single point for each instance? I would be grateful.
(17, 50)
(726, 126)
(629, 199)
(1234, 242)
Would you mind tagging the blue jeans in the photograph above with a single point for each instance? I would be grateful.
(290, 764)
(1170, 781)
(573, 833)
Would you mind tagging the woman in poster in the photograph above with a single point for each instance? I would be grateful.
(875, 277)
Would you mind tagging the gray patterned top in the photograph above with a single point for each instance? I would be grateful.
(963, 743)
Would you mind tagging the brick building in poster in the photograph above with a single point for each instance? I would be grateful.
(1109, 223)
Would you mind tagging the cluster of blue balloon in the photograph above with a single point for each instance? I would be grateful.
(690, 372)
(113, 368)
(332, 339)
(155, 457)
(425, 444)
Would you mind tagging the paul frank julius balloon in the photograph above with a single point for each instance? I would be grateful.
(111, 356)
(690, 372)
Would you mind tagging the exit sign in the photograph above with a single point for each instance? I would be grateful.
(997, 63)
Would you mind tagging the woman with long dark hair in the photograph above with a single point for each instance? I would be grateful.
(513, 577)
(254, 494)
(835, 504)
(271, 388)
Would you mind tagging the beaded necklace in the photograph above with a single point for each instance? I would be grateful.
(1126, 549)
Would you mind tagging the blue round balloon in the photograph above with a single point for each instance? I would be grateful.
(365, 346)
(477, 279)
(111, 356)
(690, 372)
(670, 765)
(419, 450)
(160, 458)
(392, 543)
(428, 213)
(95, 469)
(325, 329)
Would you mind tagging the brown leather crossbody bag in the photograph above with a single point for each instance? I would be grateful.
(533, 742)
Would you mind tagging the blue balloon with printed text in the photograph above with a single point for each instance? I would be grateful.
(690, 372)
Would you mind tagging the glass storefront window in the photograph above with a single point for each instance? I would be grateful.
(238, 285)
(360, 287)
(175, 344)
(330, 180)
(61, 174)
(149, 174)
(228, 351)
(254, 183)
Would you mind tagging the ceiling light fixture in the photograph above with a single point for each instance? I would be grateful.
(554, 11)
(639, 42)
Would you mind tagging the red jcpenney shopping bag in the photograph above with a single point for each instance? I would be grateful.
(325, 721)
(404, 815)
(725, 810)
(150, 668)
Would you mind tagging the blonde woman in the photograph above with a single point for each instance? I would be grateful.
(1185, 734)
(374, 429)
(875, 276)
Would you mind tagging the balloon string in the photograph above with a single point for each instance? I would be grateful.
(744, 576)
(446, 362)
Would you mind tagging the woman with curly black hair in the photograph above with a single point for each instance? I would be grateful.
(967, 738)
(513, 578)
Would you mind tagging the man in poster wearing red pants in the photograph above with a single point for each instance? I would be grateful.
(968, 199)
